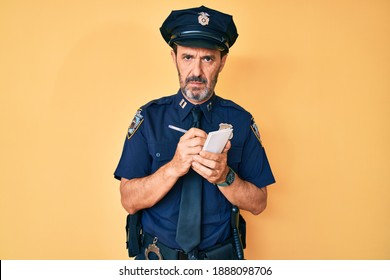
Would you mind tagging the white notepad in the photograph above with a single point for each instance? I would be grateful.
(216, 140)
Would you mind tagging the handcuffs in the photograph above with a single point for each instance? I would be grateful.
(152, 248)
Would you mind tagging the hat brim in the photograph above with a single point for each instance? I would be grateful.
(200, 43)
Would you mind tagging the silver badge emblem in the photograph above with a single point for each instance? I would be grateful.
(203, 18)
(226, 126)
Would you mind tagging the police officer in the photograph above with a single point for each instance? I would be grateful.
(156, 160)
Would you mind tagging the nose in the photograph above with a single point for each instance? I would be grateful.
(197, 68)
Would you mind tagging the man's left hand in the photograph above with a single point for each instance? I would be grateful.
(213, 167)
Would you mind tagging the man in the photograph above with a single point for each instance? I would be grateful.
(184, 193)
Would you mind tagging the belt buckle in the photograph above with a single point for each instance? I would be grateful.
(152, 248)
(181, 255)
(193, 254)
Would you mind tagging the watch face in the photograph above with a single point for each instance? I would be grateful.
(230, 177)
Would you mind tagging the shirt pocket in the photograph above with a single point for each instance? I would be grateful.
(234, 157)
(161, 153)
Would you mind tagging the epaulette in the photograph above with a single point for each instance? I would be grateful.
(160, 101)
(229, 103)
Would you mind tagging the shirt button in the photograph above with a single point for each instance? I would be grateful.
(158, 155)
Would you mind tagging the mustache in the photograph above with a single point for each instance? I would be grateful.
(196, 79)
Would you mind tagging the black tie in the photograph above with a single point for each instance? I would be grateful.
(189, 221)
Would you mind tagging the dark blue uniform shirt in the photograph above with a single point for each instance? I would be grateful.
(150, 144)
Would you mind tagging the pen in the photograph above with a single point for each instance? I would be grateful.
(177, 128)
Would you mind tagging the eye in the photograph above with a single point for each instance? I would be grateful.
(187, 57)
(208, 58)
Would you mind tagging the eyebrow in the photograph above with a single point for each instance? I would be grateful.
(212, 56)
(209, 56)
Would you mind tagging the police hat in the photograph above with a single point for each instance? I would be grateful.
(200, 27)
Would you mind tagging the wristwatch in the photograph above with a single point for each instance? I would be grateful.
(229, 179)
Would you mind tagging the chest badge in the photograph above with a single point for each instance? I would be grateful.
(226, 126)
(135, 123)
(203, 18)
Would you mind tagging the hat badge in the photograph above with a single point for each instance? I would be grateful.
(203, 18)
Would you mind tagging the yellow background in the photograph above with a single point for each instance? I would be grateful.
(315, 75)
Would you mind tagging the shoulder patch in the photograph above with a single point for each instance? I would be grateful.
(135, 124)
(256, 131)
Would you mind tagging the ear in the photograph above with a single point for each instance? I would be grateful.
(223, 61)
(173, 55)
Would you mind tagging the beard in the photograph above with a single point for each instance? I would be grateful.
(198, 94)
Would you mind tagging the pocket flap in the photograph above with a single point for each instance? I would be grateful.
(162, 151)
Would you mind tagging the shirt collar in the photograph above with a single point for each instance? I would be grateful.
(184, 107)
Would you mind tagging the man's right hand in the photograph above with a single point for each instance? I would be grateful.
(190, 144)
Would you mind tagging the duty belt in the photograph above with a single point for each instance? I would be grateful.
(151, 245)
